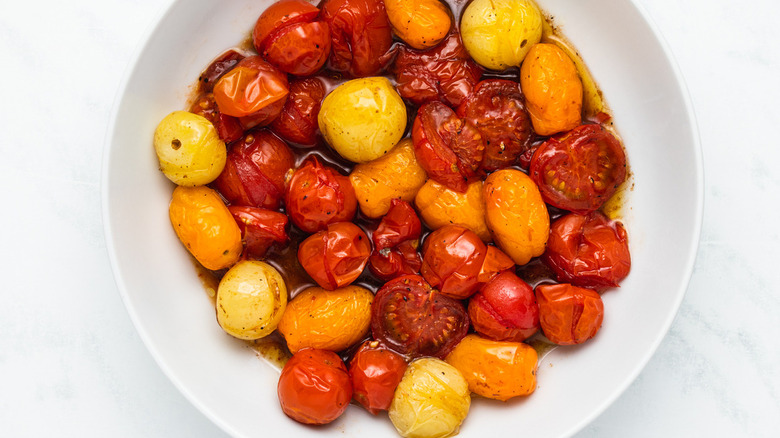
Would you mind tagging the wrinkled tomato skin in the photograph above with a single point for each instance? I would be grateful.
(260, 228)
(361, 36)
(319, 195)
(253, 90)
(336, 256)
(452, 259)
(228, 128)
(505, 309)
(217, 68)
(255, 171)
(299, 49)
(280, 14)
(497, 109)
(298, 121)
(569, 314)
(413, 319)
(375, 373)
(314, 387)
(445, 72)
(395, 242)
(579, 170)
(588, 250)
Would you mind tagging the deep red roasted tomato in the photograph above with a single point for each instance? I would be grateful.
(221, 65)
(448, 148)
(336, 256)
(254, 90)
(396, 240)
(260, 228)
(361, 35)
(588, 251)
(445, 72)
(255, 171)
(505, 309)
(412, 318)
(569, 314)
(289, 36)
(579, 170)
(375, 372)
(319, 195)
(497, 109)
(228, 128)
(314, 387)
(298, 121)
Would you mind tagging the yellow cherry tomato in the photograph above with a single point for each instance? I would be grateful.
(420, 23)
(189, 149)
(440, 206)
(205, 226)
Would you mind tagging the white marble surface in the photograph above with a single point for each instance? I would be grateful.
(71, 364)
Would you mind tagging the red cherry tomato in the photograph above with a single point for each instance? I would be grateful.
(255, 171)
(335, 257)
(588, 251)
(445, 72)
(579, 170)
(217, 68)
(287, 36)
(497, 109)
(569, 314)
(412, 318)
(505, 309)
(448, 148)
(395, 242)
(314, 387)
(228, 128)
(361, 35)
(375, 373)
(298, 121)
(252, 88)
(260, 228)
(318, 195)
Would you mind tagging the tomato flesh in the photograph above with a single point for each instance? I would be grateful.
(395, 242)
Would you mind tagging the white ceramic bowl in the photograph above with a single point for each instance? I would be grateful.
(234, 388)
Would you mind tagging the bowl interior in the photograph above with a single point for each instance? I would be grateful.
(234, 388)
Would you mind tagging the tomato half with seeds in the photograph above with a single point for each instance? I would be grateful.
(579, 170)
(336, 256)
(298, 121)
(318, 195)
(260, 228)
(395, 242)
(253, 88)
(375, 372)
(412, 318)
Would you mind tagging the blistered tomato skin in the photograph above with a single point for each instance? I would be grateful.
(260, 229)
(431, 401)
(205, 226)
(505, 309)
(499, 33)
(189, 149)
(318, 196)
(253, 88)
(363, 119)
(569, 314)
(493, 369)
(251, 299)
(420, 23)
(375, 372)
(396, 240)
(336, 256)
(440, 206)
(314, 387)
(298, 121)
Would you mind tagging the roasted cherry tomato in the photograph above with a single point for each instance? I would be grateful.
(361, 35)
(505, 309)
(579, 170)
(448, 148)
(375, 372)
(420, 23)
(336, 256)
(298, 121)
(445, 72)
(229, 128)
(221, 65)
(318, 195)
(416, 320)
(260, 228)
(314, 387)
(589, 251)
(569, 314)
(497, 109)
(252, 88)
(288, 36)
(440, 206)
(256, 170)
(395, 243)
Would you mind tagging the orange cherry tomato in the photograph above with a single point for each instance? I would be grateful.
(253, 88)
(336, 256)
(318, 196)
(314, 387)
(395, 243)
(375, 372)
(569, 314)
(298, 121)
(440, 206)
(420, 23)
(505, 309)
(260, 228)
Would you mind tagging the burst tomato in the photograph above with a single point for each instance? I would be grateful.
(569, 314)
(505, 309)
(375, 373)
(395, 242)
(260, 228)
(298, 121)
(336, 256)
(318, 195)
(253, 88)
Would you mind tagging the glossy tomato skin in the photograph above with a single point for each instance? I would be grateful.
(260, 228)
(228, 128)
(588, 250)
(413, 319)
(497, 109)
(336, 256)
(319, 195)
(375, 372)
(569, 314)
(395, 243)
(361, 36)
(256, 169)
(314, 387)
(448, 148)
(254, 90)
(505, 309)
(445, 72)
(298, 121)
(579, 170)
